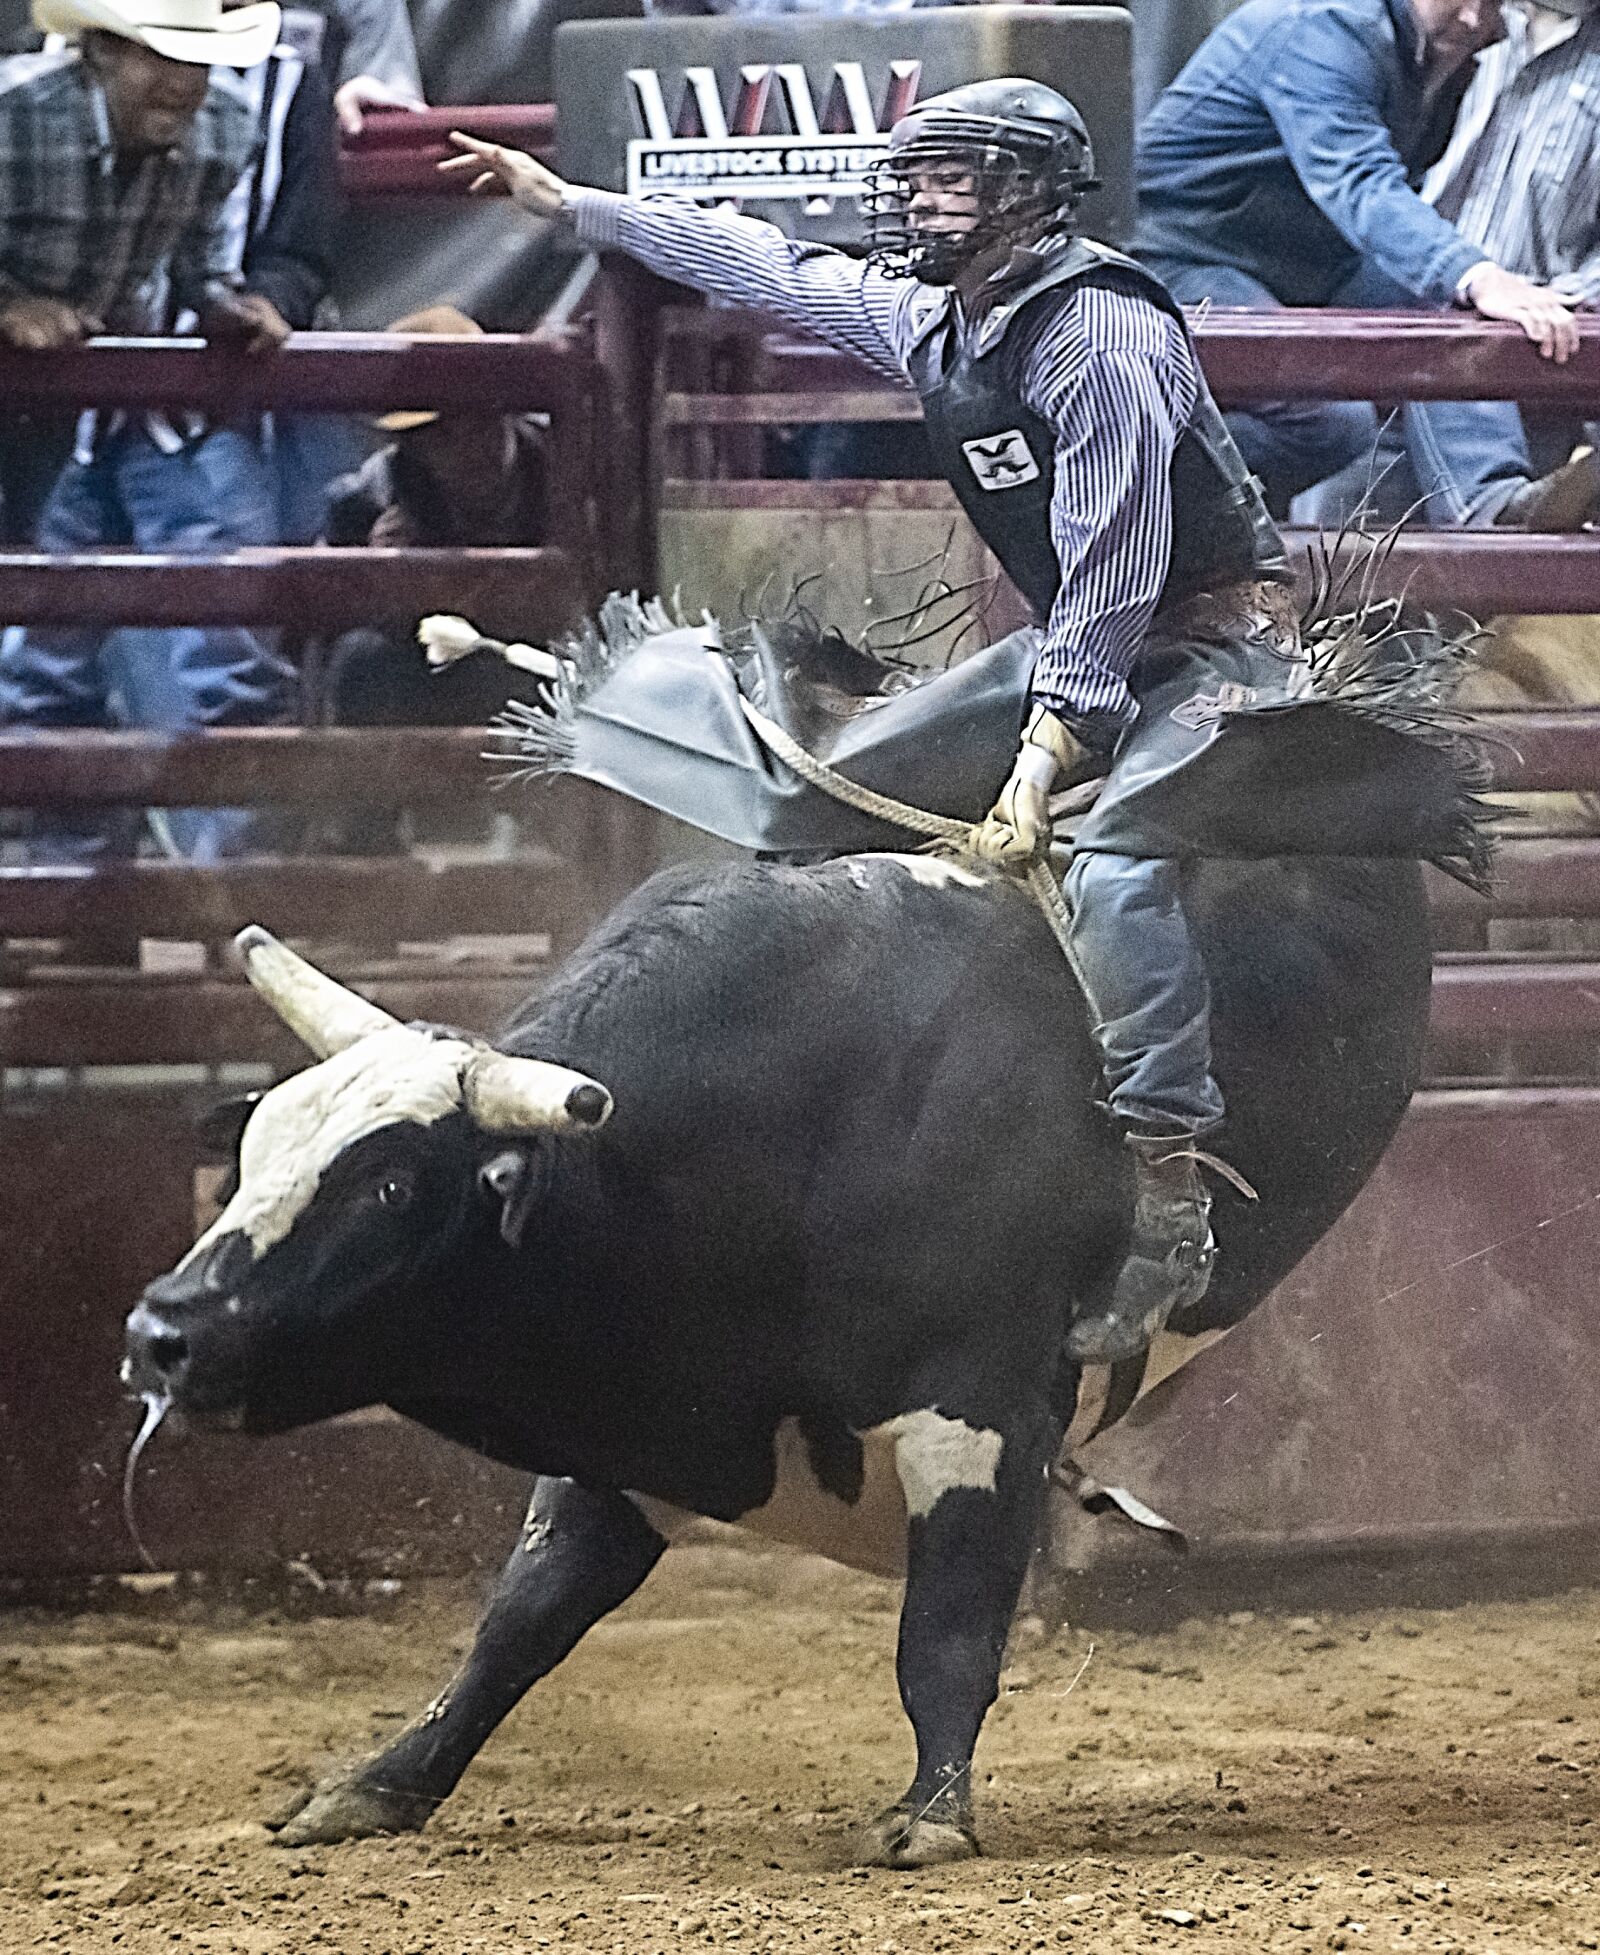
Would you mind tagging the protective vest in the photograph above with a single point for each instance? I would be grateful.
(999, 456)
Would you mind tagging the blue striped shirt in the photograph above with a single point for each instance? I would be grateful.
(1110, 374)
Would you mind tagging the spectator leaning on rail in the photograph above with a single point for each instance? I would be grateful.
(1062, 400)
(279, 222)
(1521, 180)
(1279, 169)
(116, 162)
(452, 480)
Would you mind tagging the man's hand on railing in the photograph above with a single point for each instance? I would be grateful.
(352, 100)
(42, 324)
(506, 172)
(243, 319)
(1542, 314)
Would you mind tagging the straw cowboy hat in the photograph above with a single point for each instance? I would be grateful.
(440, 319)
(200, 31)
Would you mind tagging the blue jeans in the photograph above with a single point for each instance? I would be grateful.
(304, 454)
(212, 495)
(1149, 999)
(1382, 488)
(1468, 457)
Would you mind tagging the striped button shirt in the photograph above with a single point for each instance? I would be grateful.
(1521, 175)
(1112, 375)
(74, 226)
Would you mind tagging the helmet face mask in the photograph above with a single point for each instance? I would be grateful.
(989, 165)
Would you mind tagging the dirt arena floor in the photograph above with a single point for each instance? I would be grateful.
(690, 1779)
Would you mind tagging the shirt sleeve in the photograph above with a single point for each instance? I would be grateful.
(379, 42)
(290, 259)
(1114, 379)
(19, 153)
(809, 286)
(1324, 88)
(1581, 285)
(204, 258)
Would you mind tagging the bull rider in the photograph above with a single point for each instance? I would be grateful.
(1065, 404)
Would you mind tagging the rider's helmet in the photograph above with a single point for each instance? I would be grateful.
(989, 163)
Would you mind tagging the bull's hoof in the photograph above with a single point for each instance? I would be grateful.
(898, 1839)
(350, 1810)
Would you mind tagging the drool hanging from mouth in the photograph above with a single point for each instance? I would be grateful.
(156, 1407)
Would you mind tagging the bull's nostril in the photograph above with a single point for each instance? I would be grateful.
(167, 1350)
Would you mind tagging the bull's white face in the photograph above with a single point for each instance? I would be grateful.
(354, 1177)
(303, 1126)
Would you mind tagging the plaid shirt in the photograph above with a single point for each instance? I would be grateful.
(1521, 177)
(74, 226)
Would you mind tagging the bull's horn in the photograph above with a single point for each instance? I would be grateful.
(326, 1015)
(528, 1096)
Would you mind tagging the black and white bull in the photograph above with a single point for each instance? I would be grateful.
(811, 1275)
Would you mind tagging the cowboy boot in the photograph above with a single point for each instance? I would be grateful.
(1170, 1251)
(1557, 503)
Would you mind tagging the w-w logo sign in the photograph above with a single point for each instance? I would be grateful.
(713, 152)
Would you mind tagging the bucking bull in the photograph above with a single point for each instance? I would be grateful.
(764, 1210)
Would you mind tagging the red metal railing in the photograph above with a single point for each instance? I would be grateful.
(537, 592)
(557, 374)
(397, 152)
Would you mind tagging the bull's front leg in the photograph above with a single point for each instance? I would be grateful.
(581, 1553)
(973, 1498)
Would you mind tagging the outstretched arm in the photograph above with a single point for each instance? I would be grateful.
(810, 287)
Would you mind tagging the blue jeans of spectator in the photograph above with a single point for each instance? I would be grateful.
(304, 454)
(1149, 999)
(1469, 457)
(1383, 488)
(211, 495)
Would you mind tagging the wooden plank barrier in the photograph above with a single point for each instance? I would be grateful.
(83, 1019)
(334, 373)
(239, 766)
(64, 1006)
(402, 899)
(398, 155)
(319, 589)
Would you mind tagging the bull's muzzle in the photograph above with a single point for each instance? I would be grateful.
(157, 1354)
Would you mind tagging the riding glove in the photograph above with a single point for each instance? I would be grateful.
(1017, 827)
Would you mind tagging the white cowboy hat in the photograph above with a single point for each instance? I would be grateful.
(201, 31)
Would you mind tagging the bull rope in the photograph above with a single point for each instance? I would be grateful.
(1038, 875)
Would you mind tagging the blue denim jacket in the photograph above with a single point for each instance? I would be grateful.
(1290, 147)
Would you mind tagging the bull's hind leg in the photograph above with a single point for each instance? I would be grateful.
(973, 1495)
(581, 1553)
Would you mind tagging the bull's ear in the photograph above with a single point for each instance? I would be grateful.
(508, 1178)
(218, 1130)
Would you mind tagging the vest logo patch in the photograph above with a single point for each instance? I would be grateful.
(1001, 461)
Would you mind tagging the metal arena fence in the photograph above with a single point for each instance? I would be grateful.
(120, 1009)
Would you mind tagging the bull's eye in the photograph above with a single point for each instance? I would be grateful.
(394, 1191)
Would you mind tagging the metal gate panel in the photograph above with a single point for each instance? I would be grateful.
(1431, 1369)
